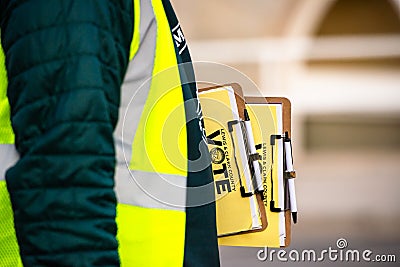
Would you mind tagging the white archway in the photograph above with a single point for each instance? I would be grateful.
(308, 15)
(396, 4)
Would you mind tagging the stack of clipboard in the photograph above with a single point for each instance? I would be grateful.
(250, 148)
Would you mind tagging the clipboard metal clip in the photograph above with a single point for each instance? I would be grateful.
(288, 173)
(273, 139)
(273, 208)
(243, 192)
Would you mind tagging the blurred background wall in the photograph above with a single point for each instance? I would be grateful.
(338, 61)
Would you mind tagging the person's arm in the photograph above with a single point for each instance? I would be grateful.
(65, 63)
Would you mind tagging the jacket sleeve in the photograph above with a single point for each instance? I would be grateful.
(65, 61)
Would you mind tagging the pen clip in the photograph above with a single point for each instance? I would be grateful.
(289, 174)
(254, 157)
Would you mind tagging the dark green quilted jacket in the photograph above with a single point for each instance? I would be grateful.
(66, 61)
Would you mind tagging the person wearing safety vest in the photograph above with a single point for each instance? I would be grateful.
(103, 159)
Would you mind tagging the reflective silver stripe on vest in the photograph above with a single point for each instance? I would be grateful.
(141, 188)
(8, 157)
(151, 190)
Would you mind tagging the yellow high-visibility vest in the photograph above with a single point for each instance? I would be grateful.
(151, 150)
(151, 146)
